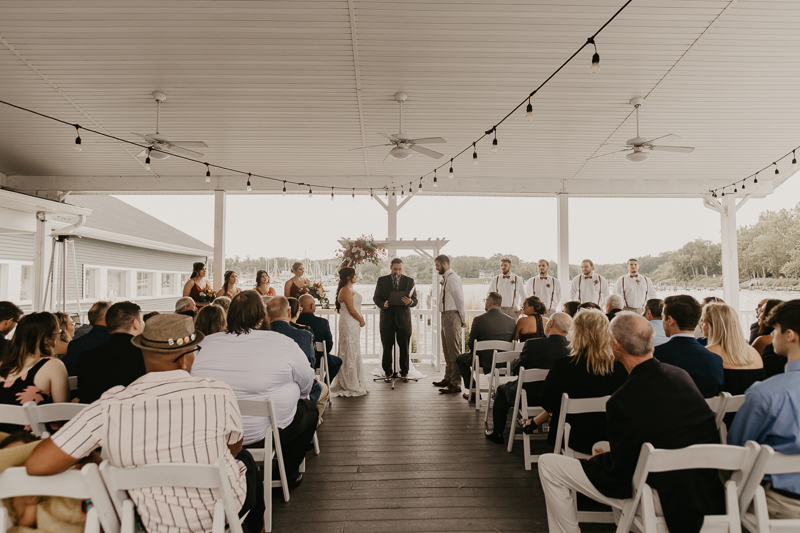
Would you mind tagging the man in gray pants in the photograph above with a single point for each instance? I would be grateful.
(454, 317)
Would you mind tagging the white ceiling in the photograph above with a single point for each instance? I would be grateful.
(287, 88)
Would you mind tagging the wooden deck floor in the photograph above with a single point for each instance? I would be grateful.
(412, 460)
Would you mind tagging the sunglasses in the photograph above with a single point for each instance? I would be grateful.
(195, 351)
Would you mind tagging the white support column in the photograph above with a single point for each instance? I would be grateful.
(562, 214)
(730, 252)
(220, 205)
(42, 250)
(391, 211)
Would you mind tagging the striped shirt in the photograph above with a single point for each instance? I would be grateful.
(164, 417)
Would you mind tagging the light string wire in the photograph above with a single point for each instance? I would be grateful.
(743, 182)
(78, 127)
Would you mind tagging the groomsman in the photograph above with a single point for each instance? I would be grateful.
(454, 317)
(545, 287)
(588, 286)
(635, 288)
(510, 286)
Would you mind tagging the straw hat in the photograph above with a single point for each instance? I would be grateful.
(168, 333)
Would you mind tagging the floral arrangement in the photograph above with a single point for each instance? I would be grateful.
(316, 290)
(206, 296)
(361, 250)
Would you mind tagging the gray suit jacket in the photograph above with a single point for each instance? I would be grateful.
(493, 325)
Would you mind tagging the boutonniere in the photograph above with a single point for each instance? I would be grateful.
(548, 285)
(596, 281)
(514, 281)
(638, 281)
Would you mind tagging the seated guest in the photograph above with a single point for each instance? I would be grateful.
(279, 313)
(67, 334)
(96, 336)
(755, 326)
(537, 353)
(129, 437)
(698, 331)
(571, 308)
(614, 304)
(229, 287)
(532, 325)
(222, 301)
(211, 319)
(764, 331)
(260, 364)
(322, 332)
(28, 370)
(493, 325)
(294, 313)
(658, 404)
(681, 315)
(771, 410)
(590, 371)
(653, 311)
(116, 361)
(590, 305)
(742, 364)
(185, 306)
(9, 317)
(150, 315)
(774, 364)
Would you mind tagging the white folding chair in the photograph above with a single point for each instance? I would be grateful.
(522, 410)
(732, 405)
(498, 376)
(323, 372)
(13, 414)
(477, 369)
(773, 463)
(183, 475)
(639, 511)
(40, 415)
(79, 484)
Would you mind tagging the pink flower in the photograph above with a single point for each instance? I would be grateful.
(31, 393)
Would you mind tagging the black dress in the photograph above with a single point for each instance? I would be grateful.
(539, 334)
(22, 390)
(738, 381)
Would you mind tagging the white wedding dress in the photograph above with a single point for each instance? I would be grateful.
(351, 380)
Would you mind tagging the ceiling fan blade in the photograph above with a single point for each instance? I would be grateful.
(142, 153)
(662, 137)
(139, 134)
(184, 151)
(428, 140)
(372, 146)
(679, 149)
(390, 137)
(609, 153)
(195, 144)
(425, 151)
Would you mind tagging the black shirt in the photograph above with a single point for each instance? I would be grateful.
(114, 362)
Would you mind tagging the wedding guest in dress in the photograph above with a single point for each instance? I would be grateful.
(229, 287)
(197, 283)
(351, 380)
(211, 319)
(588, 286)
(510, 286)
(774, 364)
(28, 370)
(771, 410)
(571, 308)
(755, 326)
(533, 324)
(293, 286)
(9, 317)
(545, 287)
(96, 336)
(653, 311)
(454, 317)
(590, 371)
(322, 333)
(613, 306)
(395, 321)
(634, 288)
(116, 361)
(680, 316)
(223, 302)
(262, 284)
(764, 331)
(67, 334)
(493, 325)
(537, 353)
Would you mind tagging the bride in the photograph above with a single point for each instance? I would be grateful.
(350, 381)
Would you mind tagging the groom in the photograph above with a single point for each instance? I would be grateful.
(395, 319)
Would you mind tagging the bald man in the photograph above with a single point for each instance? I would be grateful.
(322, 332)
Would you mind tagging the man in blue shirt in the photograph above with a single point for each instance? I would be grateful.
(771, 411)
(322, 332)
(653, 310)
(96, 336)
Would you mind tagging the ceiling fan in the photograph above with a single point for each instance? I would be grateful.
(403, 144)
(157, 141)
(640, 147)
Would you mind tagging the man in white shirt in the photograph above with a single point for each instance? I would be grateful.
(454, 317)
(635, 288)
(653, 310)
(545, 287)
(510, 286)
(588, 286)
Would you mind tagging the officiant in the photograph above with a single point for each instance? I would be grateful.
(395, 295)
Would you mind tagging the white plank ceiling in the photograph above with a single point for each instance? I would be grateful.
(286, 88)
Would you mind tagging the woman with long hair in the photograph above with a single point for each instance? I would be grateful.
(571, 308)
(764, 330)
(229, 287)
(210, 319)
(532, 325)
(774, 364)
(590, 371)
(197, 283)
(293, 286)
(28, 370)
(351, 380)
(67, 333)
(741, 363)
(262, 284)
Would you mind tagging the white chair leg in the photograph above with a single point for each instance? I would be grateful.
(514, 415)
(316, 444)
(268, 485)
(283, 482)
(477, 374)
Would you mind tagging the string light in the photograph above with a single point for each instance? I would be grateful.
(721, 190)
(436, 181)
(249, 187)
(147, 161)
(755, 180)
(283, 193)
(331, 194)
(776, 168)
(419, 189)
(387, 192)
(208, 174)
(310, 194)
(529, 110)
(474, 154)
(451, 169)
(494, 142)
(371, 196)
(794, 161)
(743, 184)
(411, 188)
(402, 194)
(78, 138)
(354, 195)
(595, 58)
(392, 192)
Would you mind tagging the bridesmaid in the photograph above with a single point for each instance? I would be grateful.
(294, 285)
(262, 284)
(197, 283)
(229, 288)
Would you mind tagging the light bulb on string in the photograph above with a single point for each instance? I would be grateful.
(474, 154)
(411, 188)
(776, 168)
(371, 196)
(78, 138)
(435, 180)
(529, 111)
(249, 187)
(744, 183)
(331, 194)
(595, 58)
(755, 180)
(310, 193)
(451, 169)
(735, 190)
(147, 161)
(494, 142)
(354, 195)
(208, 174)
(387, 192)
(794, 161)
(392, 192)
(723, 192)
(419, 189)
(283, 193)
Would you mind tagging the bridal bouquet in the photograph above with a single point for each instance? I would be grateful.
(206, 296)
(316, 290)
(361, 250)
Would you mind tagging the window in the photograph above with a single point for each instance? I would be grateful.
(26, 283)
(91, 285)
(145, 284)
(169, 284)
(116, 283)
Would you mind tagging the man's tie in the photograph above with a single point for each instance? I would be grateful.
(395, 282)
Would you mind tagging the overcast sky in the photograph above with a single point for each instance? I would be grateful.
(604, 230)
